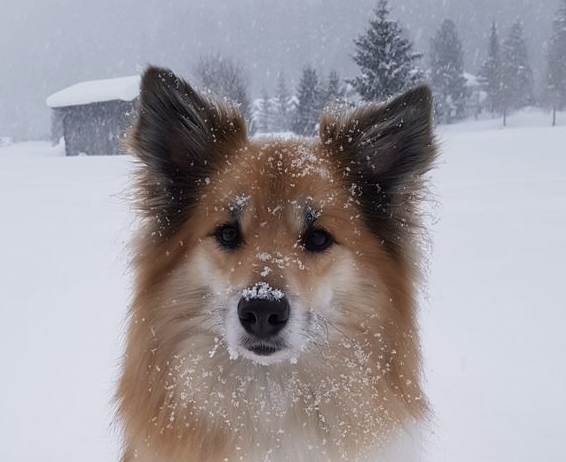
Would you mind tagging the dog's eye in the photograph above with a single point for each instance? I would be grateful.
(228, 236)
(316, 240)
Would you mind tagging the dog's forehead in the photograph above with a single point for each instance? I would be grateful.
(276, 172)
(279, 159)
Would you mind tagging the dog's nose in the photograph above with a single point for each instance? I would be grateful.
(263, 318)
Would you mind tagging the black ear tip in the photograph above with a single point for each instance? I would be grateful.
(152, 72)
(156, 77)
(423, 92)
(420, 96)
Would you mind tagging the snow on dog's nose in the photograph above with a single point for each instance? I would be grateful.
(263, 318)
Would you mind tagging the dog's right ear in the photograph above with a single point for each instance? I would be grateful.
(177, 136)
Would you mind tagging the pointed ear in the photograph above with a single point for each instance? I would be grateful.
(384, 150)
(177, 136)
(389, 141)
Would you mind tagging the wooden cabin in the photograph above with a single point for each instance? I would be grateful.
(92, 117)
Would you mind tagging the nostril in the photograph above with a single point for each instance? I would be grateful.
(248, 318)
(274, 319)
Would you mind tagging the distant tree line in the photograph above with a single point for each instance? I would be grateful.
(555, 89)
(506, 76)
(389, 65)
(284, 112)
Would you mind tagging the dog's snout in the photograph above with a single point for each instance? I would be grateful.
(263, 318)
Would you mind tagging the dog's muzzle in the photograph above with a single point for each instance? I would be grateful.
(263, 320)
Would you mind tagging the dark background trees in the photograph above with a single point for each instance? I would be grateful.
(447, 73)
(490, 72)
(385, 57)
(517, 89)
(555, 90)
(226, 78)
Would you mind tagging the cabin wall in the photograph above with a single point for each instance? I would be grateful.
(96, 128)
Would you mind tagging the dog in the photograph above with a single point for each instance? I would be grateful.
(274, 308)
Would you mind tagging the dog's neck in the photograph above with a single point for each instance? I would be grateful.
(289, 411)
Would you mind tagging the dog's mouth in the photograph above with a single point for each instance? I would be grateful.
(263, 347)
(263, 350)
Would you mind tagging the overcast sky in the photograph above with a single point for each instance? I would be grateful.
(46, 45)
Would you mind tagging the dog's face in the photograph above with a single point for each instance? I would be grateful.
(275, 247)
(279, 241)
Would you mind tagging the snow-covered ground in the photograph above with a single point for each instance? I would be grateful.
(63, 293)
(495, 321)
(493, 324)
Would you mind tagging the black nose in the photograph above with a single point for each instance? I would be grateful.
(263, 318)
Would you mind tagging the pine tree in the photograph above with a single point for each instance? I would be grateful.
(490, 72)
(556, 67)
(264, 116)
(309, 104)
(333, 93)
(516, 73)
(447, 73)
(226, 78)
(282, 105)
(385, 57)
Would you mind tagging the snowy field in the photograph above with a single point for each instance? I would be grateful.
(493, 324)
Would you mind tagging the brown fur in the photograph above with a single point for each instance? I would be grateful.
(356, 384)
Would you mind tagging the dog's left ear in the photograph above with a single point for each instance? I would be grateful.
(384, 143)
(384, 150)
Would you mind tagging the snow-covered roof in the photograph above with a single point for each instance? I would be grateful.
(96, 91)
